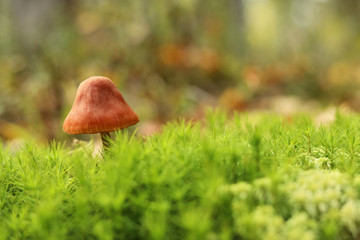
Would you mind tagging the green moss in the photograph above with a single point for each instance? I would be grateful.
(245, 177)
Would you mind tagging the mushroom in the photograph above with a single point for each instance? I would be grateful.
(99, 107)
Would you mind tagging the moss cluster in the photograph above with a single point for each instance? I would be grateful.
(246, 177)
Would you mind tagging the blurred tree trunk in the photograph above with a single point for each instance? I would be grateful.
(235, 34)
(33, 21)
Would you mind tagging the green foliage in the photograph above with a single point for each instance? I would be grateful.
(248, 177)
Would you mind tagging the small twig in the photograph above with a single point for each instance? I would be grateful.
(105, 136)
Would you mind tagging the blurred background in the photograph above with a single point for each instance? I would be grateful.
(174, 58)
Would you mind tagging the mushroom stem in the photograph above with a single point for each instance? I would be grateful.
(105, 136)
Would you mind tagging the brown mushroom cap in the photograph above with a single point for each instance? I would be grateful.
(98, 107)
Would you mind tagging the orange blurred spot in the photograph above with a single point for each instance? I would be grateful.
(231, 99)
(180, 56)
(252, 76)
(172, 55)
(209, 60)
(343, 74)
(276, 73)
